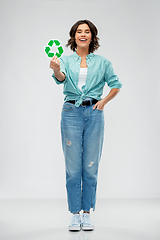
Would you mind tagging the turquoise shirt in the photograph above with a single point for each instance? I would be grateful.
(99, 72)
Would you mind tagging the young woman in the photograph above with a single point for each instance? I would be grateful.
(84, 75)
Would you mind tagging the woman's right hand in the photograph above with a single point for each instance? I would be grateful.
(55, 64)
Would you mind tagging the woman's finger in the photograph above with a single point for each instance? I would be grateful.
(95, 106)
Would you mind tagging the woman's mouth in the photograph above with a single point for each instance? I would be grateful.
(83, 40)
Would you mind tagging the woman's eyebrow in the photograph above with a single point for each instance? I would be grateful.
(85, 29)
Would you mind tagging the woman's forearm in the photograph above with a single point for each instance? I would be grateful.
(59, 75)
(100, 104)
(113, 92)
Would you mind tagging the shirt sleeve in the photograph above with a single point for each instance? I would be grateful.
(63, 69)
(111, 77)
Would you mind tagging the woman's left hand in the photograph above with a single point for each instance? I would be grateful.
(99, 105)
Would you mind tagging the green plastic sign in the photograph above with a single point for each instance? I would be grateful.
(48, 49)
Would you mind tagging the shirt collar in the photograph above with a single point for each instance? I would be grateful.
(76, 56)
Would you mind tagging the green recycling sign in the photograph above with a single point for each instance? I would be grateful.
(48, 48)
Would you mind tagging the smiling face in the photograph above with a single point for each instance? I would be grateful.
(83, 36)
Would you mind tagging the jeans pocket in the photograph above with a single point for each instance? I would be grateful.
(99, 110)
(68, 106)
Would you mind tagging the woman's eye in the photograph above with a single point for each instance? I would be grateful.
(86, 32)
(80, 32)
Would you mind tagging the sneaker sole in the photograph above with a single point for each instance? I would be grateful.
(87, 228)
(74, 229)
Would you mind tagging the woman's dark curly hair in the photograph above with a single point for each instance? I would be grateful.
(94, 45)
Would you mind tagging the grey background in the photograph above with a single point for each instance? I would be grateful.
(31, 158)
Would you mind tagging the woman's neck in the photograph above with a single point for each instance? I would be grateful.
(82, 52)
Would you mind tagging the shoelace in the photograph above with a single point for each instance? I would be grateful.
(75, 218)
(86, 219)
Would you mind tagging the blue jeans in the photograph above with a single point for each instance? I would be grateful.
(82, 131)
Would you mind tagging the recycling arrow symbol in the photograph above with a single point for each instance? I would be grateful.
(48, 49)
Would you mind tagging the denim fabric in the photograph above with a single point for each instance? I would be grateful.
(82, 131)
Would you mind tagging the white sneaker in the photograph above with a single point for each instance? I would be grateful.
(86, 223)
(75, 224)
